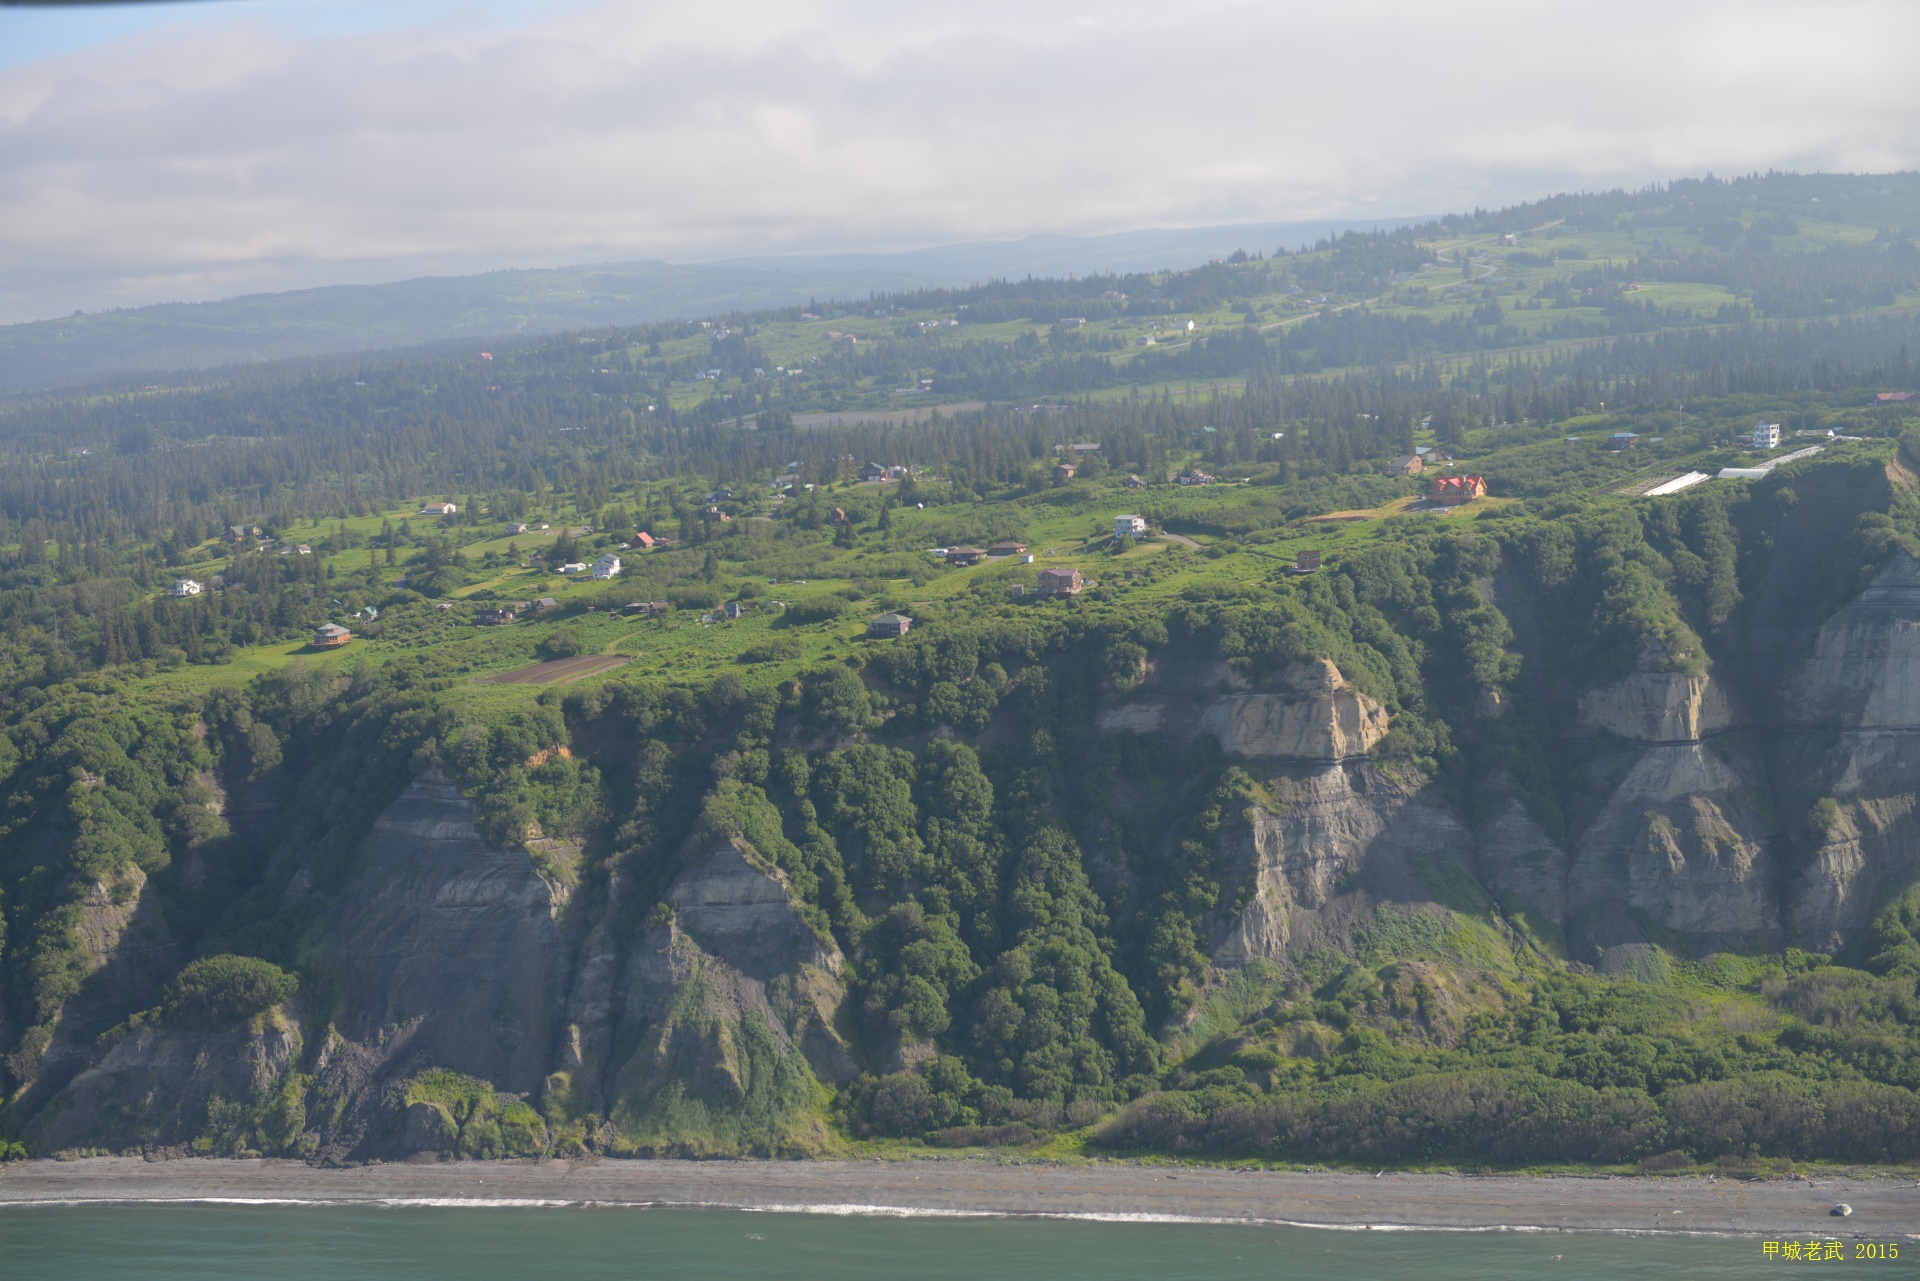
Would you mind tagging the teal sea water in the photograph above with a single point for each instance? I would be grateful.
(429, 1243)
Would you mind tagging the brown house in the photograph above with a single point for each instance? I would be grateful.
(1306, 562)
(1454, 490)
(1059, 582)
(1006, 549)
(1405, 465)
(964, 555)
(889, 625)
(329, 636)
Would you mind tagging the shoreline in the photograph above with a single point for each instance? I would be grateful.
(1883, 1209)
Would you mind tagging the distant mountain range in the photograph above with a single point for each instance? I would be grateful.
(341, 318)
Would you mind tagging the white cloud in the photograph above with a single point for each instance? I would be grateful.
(228, 155)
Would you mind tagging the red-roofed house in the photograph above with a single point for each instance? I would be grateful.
(1893, 397)
(1453, 490)
(643, 539)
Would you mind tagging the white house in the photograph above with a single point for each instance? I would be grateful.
(1129, 526)
(1766, 436)
(185, 587)
(517, 527)
(607, 566)
(575, 568)
(438, 509)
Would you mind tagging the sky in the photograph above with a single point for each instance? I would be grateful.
(201, 150)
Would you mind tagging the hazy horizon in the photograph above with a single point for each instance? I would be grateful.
(269, 145)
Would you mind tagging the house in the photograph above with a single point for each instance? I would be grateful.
(237, 533)
(1006, 549)
(1134, 482)
(1406, 465)
(496, 617)
(647, 608)
(715, 514)
(1017, 591)
(1894, 397)
(1088, 448)
(1451, 491)
(1063, 471)
(517, 527)
(1129, 526)
(438, 509)
(1431, 457)
(643, 539)
(733, 609)
(1622, 440)
(329, 636)
(889, 625)
(964, 555)
(1766, 436)
(185, 587)
(576, 567)
(303, 549)
(367, 614)
(1306, 562)
(1059, 582)
(608, 566)
(1196, 477)
(544, 604)
(839, 516)
(872, 472)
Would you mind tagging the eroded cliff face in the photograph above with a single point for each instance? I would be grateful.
(1702, 820)
(704, 1032)
(1659, 707)
(1850, 759)
(1321, 717)
(1344, 838)
(163, 1088)
(442, 935)
(130, 951)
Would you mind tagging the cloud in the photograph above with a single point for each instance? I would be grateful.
(230, 155)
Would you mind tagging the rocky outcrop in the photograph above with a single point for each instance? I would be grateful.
(1324, 719)
(1659, 707)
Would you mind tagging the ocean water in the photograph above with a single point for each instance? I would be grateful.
(574, 1243)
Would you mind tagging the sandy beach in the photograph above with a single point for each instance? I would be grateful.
(1886, 1208)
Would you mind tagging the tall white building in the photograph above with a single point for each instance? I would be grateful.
(607, 566)
(185, 587)
(1766, 436)
(1129, 526)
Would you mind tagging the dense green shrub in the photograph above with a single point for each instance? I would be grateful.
(219, 991)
